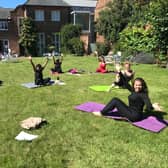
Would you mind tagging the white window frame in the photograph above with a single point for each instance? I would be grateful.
(56, 40)
(74, 13)
(3, 25)
(39, 15)
(5, 46)
(56, 15)
(41, 43)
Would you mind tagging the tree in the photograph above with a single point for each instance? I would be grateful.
(68, 32)
(28, 36)
(114, 19)
(158, 18)
(137, 38)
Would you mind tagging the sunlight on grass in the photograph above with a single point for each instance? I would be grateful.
(74, 139)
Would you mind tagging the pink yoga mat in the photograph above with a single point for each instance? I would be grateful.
(150, 123)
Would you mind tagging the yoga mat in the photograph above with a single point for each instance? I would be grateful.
(100, 88)
(75, 74)
(58, 82)
(93, 106)
(32, 85)
(150, 123)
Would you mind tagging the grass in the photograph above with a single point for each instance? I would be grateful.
(73, 139)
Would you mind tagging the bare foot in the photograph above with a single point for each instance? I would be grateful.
(97, 113)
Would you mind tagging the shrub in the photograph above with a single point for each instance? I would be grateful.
(137, 39)
(103, 48)
(67, 33)
(76, 46)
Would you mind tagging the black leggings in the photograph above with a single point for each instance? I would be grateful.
(123, 110)
(44, 81)
(58, 70)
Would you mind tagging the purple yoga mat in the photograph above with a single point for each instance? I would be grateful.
(93, 106)
(150, 123)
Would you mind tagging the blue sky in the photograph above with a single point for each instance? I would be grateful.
(11, 3)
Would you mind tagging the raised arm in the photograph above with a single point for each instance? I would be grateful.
(45, 63)
(62, 56)
(129, 87)
(31, 61)
(53, 59)
(133, 75)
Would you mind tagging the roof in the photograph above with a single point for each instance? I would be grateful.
(5, 12)
(67, 3)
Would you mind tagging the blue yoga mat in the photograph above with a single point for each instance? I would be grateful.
(32, 85)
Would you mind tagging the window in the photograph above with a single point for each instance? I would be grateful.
(41, 43)
(39, 15)
(55, 16)
(56, 42)
(4, 46)
(83, 19)
(3, 25)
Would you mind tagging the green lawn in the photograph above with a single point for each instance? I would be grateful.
(73, 139)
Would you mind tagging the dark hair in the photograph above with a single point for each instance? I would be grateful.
(144, 85)
(38, 66)
(57, 60)
(101, 58)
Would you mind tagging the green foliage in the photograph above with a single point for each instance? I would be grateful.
(158, 17)
(114, 19)
(28, 36)
(76, 46)
(67, 33)
(137, 39)
(103, 48)
(140, 8)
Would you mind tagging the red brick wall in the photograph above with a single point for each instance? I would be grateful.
(47, 26)
(85, 38)
(101, 4)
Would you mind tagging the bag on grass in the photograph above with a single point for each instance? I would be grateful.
(32, 122)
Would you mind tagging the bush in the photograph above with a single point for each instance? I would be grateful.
(67, 33)
(137, 39)
(76, 46)
(103, 48)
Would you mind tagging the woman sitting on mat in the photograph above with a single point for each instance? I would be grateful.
(123, 77)
(38, 73)
(137, 100)
(102, 65)
(57, 65)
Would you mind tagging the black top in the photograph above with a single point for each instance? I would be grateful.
(138, 100)
(58, 66)
(38, 77)
(128, 78)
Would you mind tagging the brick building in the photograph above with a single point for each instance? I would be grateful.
(49, 17)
